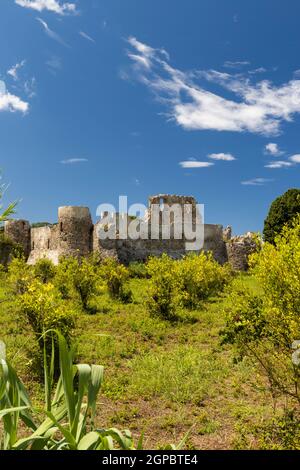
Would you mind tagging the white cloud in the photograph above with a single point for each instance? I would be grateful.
(258, 70)
(236, 64)
(9, 102)
(72, 161)
(54, 6)
(295, 158)
(278, 164)
(273, 149)
(258, 108)
(228, 157)
(256, 182)
(86, 36)
(195, 164)
(13, 71)
(50, 33)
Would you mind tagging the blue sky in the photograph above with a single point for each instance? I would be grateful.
(100, 98)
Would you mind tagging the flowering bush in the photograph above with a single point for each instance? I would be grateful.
(201, 278)
(116, 276)
(266, 326)
(44, 270)
(164, 288)
(183, 283)
(19, 275)
(46, 310)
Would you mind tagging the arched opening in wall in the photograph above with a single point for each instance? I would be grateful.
(161, 203)
(32, 246)
(61, 226)
(48, 244)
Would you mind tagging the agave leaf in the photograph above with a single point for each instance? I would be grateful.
(11, 410)
(94, 387)
(89, 441)
(67, 375)
(65, 432)
(84, 374)
(59, 413)
(124, 439)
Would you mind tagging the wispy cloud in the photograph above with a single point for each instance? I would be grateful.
(227, 157)
(13, 71)
(195, 164)
(295, 158)
(30, 87)
(236, 64)
(10, 102)
(278, 164)
(256, 182)
(86, 36)
(50, 33)
(258, 108)
(258, 70)
(72, 161)
(55, 6)
(273, 149)
(54, 64)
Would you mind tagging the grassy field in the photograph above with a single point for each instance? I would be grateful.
(162, 379)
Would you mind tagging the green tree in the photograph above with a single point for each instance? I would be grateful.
(282, 212)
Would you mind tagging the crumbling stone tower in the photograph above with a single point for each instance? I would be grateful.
(19, 231)
(75, 231)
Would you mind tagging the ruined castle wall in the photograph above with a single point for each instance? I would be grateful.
(75, 231)
(238, 251)
(19, 232)
(128, 250)
(44, 244)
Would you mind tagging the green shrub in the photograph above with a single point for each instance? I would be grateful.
(20, 275)
(201, 277)
(85, 281)
(44, 270)
(116, 277)
(267, 328)
(64, 277)
(9, 250)
(183, 283)
(244, 315)
(164, 287)
(78, 279)
(282, 211)
(137, 270)
(45, 310)
(281, 433)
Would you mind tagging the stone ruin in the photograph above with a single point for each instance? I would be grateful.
(76, 235)
(239, 249)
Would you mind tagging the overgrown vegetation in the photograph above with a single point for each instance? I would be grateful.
(189, 345)
(184, 283)
(281, 213)
(69, 410)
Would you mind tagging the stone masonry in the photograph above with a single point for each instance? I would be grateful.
(75, 235)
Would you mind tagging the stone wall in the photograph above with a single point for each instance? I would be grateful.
(75, 235)
(129, 250)
(44, 244)
(239, 249)
(75, 231)
(19, 232)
